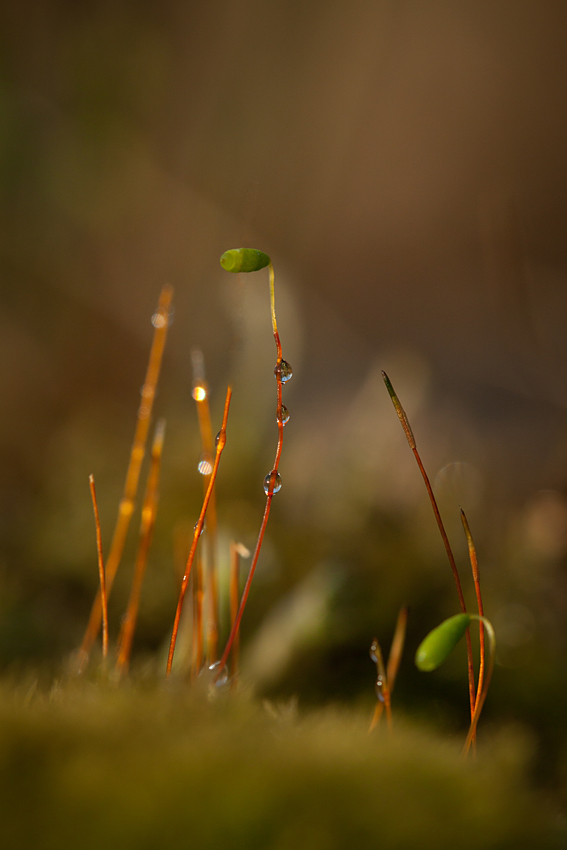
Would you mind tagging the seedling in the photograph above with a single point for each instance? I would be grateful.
(250, 260)
(438, 645)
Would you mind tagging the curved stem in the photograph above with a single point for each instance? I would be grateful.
(488, 674)
(476, 580)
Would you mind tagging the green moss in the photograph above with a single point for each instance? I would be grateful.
(135, 767)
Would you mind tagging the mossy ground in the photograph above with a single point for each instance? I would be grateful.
(163, 765)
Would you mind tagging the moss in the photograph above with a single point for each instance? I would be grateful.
(146, 767)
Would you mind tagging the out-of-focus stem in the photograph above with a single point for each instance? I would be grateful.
(101, 571)
(149, 511)
(160, 320)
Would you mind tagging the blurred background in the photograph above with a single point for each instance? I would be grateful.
(403, 163)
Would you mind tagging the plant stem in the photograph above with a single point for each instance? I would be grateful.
(101, 571)
(488, 675)
(126, 508)
(198, 528)
(411, 440)
(476, 580)
(274, 471)
(149, 511)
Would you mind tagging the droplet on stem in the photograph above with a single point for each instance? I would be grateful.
(273, 482)
(283, 415)
(284, 371)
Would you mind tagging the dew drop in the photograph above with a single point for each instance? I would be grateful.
(283, 415)
(195, 528)
(219, 678)
(159, 320)
(217, 439)
(284, 371)
(199, 392)
(373, 648)
(380, 688)
(205, 465)
(273, 480)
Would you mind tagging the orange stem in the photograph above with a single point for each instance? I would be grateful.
(198, 528)
(126, 507)
(402, 416)
(149, 511)
(476, 580)
(101, 571)
(273, 476)
(234, 577)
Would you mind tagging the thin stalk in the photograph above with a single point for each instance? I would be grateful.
(382, 687)
(411, 440)
(476, 580)
(149, 511)
(201, 395)
(397, 647)
(160, 321)
(394, 659)
(488, 675)
(272, 483)
(101, 571)
(233, 585)
(197, 638)
(198, 528)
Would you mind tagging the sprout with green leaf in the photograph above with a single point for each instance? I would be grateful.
(438, 645)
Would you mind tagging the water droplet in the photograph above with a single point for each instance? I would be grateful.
(272, 480)
(380, 688)
(199, 392)
(195, 528)
(220, 678)
(373, 648)
(284, 371)
(217, 439)
(283, 415)
(205, 465)
(159, 320)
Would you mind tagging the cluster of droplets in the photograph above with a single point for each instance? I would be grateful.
(283, 373)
